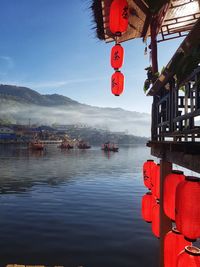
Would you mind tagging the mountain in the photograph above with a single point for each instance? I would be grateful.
(21, 104)
(29, 96)
(99, 136)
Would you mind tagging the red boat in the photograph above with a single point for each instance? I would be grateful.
(36, 145)
(83, 145)
(110, 147)
(65, 145)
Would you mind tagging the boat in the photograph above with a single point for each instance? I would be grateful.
(36, 145)
(65, 145)
(83, 145)
(110, 147)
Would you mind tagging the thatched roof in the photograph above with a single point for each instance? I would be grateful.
(175, 18)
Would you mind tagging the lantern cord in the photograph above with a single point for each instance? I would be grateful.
(116, 40)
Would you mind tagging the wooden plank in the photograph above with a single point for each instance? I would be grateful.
(185, 46)
(178, 154)
(189, 132)
(187, 116)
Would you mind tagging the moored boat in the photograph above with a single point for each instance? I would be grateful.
(83, 145)
(110, 147)
(65, 145)
(36, 145)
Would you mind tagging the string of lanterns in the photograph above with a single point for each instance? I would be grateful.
(118, 24)
(181, 198)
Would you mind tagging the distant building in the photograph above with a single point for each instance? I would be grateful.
(7, 134)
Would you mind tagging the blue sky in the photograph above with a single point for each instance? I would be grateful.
(49, 46)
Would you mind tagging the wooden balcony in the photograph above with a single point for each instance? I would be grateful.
(175, 133)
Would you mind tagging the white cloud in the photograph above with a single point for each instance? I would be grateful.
(6, 62)
(51, 84)
(58, 84)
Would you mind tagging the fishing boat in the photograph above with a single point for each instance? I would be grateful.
(65, 145)
(83, 145)
(110, 147)
(36, 145)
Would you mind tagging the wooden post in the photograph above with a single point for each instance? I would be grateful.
(154, 54)
(165, 222)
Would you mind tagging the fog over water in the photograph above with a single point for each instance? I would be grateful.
(107, 118)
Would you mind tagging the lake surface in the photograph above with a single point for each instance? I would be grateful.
(74, 208)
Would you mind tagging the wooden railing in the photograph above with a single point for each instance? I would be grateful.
(176, 111)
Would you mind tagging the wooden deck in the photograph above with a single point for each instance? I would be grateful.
(183, 154)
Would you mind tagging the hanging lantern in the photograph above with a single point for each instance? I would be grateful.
(156, 219)
(174, 243)
(117, 83)
(148, 167)
(147, 205)
(117, 56)
(170, 183)
(118, 20)
(187, 208)
(156, 181)
(189, 257)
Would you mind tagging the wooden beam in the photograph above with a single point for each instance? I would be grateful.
(161, 16)
(142, 5)
(185, 47)
(178, 154)
(154, 53)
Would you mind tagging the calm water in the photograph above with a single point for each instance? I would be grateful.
(74, 208)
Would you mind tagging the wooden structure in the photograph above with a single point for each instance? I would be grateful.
(176, 93)
(176, 108)
(175, 132)
(174, 18)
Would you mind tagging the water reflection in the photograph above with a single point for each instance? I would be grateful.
(107, 154)
(74, 208)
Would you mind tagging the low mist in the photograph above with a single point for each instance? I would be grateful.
(113, 119)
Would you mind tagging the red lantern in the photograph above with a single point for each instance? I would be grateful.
(190, 257)
(156, 182)
(174, 243)
(118, 20)
(117, 56)
(170, 184)
(117, 83)
(156, 219)
(148, 169)
(187, 208)
(147, 205)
